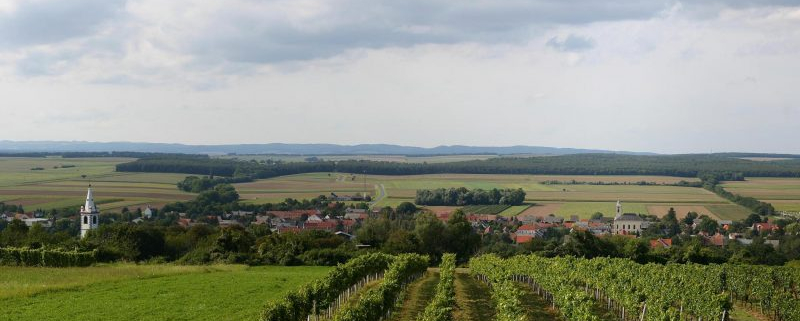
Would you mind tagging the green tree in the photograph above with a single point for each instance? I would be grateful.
(428, 231)
(400, 241)
(461, 239)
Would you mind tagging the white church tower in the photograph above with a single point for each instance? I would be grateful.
(89, 214)
(619, 210)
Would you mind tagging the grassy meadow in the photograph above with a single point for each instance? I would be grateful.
(148, 292)
(62, 182)
(562, 200)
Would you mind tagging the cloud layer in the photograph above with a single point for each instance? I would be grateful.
(634, 75)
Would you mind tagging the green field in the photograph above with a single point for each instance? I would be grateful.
(157, 292)
(563, 200)
(56, 187)
(782, 193)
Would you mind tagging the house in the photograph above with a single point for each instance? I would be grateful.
(725, 224)
(552, 220)
(148, 212)
(356, 216)
(242, 213)
(137, 220)
(22, 217)
(288, 229)
(716, 240)
(527, 232)
(314, 219)
(41, 221)
(293, 215)
(661, 243)
(348, 225)
(479, 219)
(744, 241)
(227, 223)
(281, 222)
(765, 227)
(261, 220)
(329, 226)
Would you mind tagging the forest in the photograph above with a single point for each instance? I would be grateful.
(580, 164)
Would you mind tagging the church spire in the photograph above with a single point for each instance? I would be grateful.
(619, 209)
(89, 206)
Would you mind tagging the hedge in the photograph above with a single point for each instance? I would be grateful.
(45, 258)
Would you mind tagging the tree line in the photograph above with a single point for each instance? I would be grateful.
(580, 164)
(711, 182)
(462, 196)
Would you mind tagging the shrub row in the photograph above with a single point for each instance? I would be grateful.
(321, 293)
(441, 307)
(377, 302)
(43, 257)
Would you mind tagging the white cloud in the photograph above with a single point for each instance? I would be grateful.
(625, 76)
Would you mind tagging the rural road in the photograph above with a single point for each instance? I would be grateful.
(381, 194)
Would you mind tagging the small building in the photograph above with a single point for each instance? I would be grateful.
(148, 212)
(41, 221)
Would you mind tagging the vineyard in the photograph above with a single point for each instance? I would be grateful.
(371, 287)
(633, 291)
(485, 209)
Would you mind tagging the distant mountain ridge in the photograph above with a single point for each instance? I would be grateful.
(288, 149)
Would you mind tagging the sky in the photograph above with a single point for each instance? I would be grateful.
(657, 76)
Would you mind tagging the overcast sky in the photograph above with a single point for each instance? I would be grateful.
(661, 76)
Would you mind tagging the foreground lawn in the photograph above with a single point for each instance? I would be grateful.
(208, 293)
(27, 281)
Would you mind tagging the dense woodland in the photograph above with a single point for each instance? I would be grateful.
(580, 164)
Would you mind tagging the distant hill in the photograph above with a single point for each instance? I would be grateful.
(289, 149)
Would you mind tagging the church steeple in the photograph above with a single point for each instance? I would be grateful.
(89, 206)
(89, 214)
(619, 209)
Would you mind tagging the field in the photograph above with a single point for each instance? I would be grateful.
(154, 292)
(61, 183)
(562, 200)
(783, 193)
(485, 209)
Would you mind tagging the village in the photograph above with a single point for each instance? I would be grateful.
(344, 221)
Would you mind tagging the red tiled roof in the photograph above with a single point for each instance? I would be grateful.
(659, 243)
(523, 238)
(288, 229)
(326, 225)
(293, 214)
